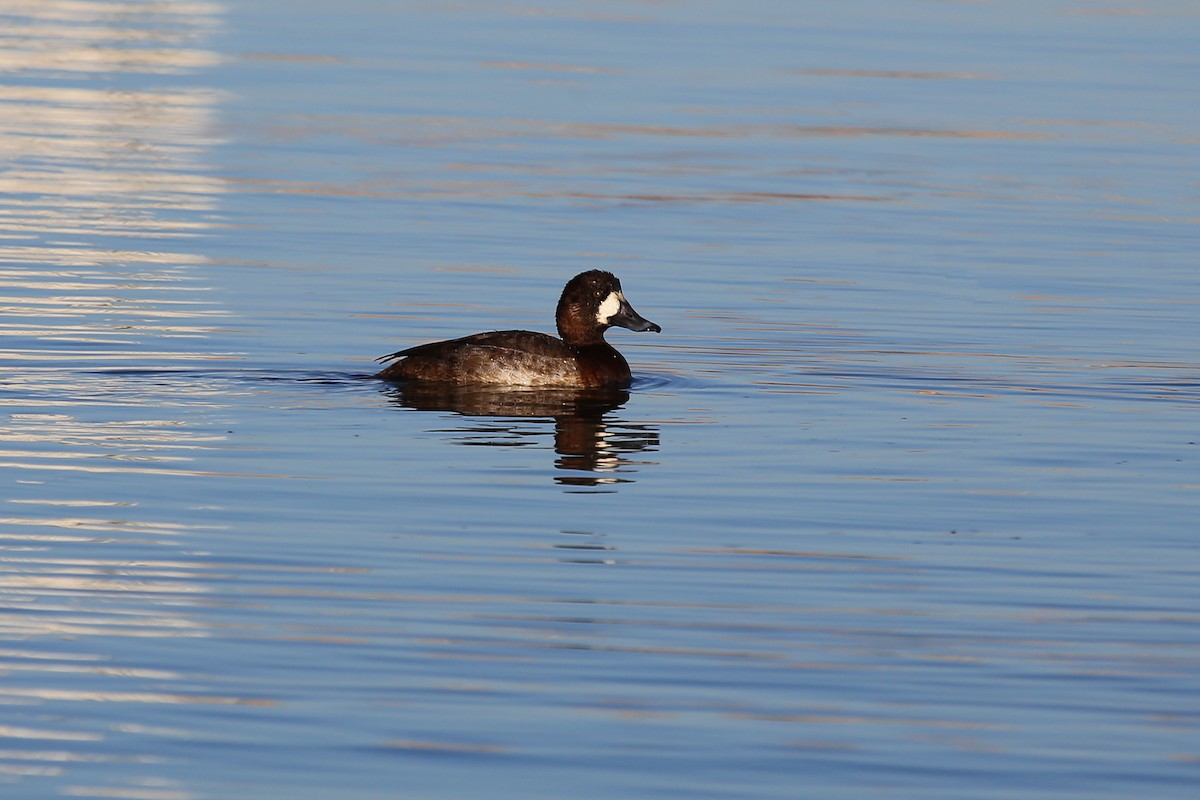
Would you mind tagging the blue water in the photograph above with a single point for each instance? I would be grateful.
(902, 502)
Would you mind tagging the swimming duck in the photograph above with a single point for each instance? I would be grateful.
(591, 303)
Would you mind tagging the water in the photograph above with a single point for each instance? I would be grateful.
(902, 502)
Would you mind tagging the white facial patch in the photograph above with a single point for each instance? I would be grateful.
(610, 306)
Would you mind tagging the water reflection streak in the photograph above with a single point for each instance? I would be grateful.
(104, 163)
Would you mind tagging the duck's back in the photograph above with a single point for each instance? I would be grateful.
(499, 357)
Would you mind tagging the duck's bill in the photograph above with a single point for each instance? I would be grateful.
(626, 317)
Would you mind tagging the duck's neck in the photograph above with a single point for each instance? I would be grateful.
(576, 334)
(602, 365)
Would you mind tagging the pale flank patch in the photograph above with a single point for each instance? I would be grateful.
(610, 306)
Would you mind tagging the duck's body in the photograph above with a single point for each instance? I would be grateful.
(513, 358)
(591, 303)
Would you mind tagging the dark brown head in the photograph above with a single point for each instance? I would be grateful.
(591, 303)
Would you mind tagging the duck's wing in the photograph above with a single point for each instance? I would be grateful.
(519, 341)
(497, 357)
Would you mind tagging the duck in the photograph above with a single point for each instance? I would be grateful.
(591, 303)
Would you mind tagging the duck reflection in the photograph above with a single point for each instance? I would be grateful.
(591, 443)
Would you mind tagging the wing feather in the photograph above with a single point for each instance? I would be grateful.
(497, 357)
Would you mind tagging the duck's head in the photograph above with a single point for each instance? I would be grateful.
(591, 303)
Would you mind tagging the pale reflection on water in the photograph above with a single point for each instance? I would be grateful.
(89, 163)
(96, 171)
(98, 37)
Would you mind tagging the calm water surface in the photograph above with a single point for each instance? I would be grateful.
(902, 502)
